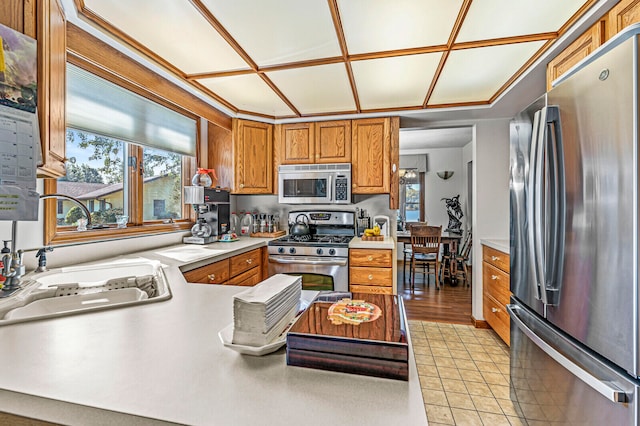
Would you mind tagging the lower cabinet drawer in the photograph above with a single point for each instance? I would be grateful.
(371, 276)
(245, 261)
(370, 257)
(215, 273)
(497, 317)
(372, 289)
(496, 283)
(248, 278)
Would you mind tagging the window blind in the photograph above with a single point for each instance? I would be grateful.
(98, 106)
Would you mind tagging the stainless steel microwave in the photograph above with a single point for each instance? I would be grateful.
(314, 183)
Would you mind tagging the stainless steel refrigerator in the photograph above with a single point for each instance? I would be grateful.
(574, 188)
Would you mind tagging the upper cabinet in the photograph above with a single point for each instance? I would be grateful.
(297, 144)
(44, 20)
(333, 141)
(252, 157)
(320, 142)
(623, 14)
(371, 155)
(576, 51)
(52, 61)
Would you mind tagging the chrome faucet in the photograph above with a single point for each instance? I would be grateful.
(13, 268)
(75, 200)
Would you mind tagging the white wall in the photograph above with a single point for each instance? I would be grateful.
(491, 194)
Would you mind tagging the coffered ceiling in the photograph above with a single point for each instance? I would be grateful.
(302, 58)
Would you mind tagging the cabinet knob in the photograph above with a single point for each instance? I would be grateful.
(212, 277)
(370, 277)
(494, 277)
(241, 185)
(249, 261)
(494, 258)
(370, 258)
(494, 310)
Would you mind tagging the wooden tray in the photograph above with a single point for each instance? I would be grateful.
(373, 238)
(378, 348)
(268, 234)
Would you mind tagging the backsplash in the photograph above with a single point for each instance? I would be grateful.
(373, 204)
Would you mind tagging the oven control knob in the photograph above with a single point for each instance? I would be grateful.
(332, 252)
(319, 251)
(292, 250)
(280, 250)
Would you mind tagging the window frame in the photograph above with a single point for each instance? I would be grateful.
(54, 234)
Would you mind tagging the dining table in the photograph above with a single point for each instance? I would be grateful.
(450, 242)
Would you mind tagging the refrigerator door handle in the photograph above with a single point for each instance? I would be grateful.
(534, 201)
(608, 390)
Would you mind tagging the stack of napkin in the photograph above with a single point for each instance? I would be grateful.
(261, 313)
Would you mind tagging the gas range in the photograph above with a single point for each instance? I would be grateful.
(330, 234)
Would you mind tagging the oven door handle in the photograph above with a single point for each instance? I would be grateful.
(308, 261)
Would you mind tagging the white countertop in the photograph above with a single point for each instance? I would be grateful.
(501, 245)
(163, 362)
(387, 243)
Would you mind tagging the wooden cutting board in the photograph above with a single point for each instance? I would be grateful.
(268, 234)
(373, 238)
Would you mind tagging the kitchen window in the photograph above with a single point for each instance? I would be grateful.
(126, 156)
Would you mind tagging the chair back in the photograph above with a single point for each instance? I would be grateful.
(466, 246)
(426, 239)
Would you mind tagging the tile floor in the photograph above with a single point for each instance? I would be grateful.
(464, 375)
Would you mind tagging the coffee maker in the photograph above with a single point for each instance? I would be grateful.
(212, 207)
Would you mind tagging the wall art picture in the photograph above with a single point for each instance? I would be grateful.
(18, 70)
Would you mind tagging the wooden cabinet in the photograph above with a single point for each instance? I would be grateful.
(371, 271)
(333, 141)
(576, 51)
(52, 65)
(623, 14)
(496, 294)
(308, 143)
(297, 145)
(252, 157)
(44, 20)
(371, 151)
(244, 269)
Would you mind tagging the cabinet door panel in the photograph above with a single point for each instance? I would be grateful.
(623, 14)
(370, 289)
(298, 145)
(248, 278)
(382, 277)
(253, 147)
(370, 149)
(333, 141)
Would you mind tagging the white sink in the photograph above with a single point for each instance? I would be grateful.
(80, 289)
(76, 303)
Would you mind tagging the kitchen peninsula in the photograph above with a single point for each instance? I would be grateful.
(163, 362)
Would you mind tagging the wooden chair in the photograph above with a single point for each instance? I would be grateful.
(455, 263)
(407, 253)
(425, 247)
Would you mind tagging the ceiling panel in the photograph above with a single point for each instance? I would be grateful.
(451, 137)
(248, 93)
(279, 31)
(381, 25)
(314, 90)
(174, 30)
(486, 18)
(477, 74)
(394, 82)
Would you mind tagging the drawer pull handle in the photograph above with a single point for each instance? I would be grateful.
(212, 277)
(370, 258)
(494, 277)
(494, 310)
(494, 258)
(370, 277)
(249, 261)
